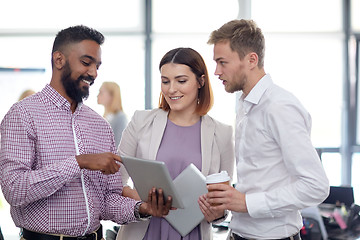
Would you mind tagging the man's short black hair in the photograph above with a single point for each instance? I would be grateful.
(75, 34)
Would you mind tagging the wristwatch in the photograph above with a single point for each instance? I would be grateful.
(138, 215)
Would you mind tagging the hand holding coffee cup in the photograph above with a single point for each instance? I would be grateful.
(218, 178)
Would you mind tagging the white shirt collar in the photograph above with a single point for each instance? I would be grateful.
(256, 92)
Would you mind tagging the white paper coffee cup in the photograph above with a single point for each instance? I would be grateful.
(221, 177)
(218, 178)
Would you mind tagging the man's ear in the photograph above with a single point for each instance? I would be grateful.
(253, 59)
(58, 59)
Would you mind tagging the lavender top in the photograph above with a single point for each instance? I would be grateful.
(179, 147)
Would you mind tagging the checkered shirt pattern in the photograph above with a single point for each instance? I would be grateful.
(40, 176)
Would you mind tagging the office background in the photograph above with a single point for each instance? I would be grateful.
(312, 49)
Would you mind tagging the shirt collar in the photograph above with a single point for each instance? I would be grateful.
(256, 92)
(56, 98)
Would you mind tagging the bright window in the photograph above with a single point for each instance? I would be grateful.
(298, 16)
(189, 23)
(297, 63)
(44, 16)
(304, 55)
(332, 165)
(189, 16)
(355, 16)
(123, 63)
(356, 177)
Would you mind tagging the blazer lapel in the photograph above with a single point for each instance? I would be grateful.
(207, 139)
(158, 129)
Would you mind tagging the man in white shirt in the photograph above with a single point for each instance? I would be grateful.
(278, 169)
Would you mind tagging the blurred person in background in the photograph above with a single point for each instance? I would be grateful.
(26, 93)
(110, 97)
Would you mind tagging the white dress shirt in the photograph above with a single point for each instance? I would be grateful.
(277, 166)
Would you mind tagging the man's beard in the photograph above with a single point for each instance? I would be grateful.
(72, 86)
(237, 84)
(233, 88)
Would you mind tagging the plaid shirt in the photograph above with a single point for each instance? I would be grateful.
(40, 176)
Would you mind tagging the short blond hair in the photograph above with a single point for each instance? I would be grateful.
(244, 37)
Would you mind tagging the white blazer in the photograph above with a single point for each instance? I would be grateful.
(142, 138)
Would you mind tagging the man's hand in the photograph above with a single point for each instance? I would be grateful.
(155, 204)
(228, 197)
(107, 163)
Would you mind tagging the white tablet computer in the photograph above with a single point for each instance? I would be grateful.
(191, 184)
(147, 174)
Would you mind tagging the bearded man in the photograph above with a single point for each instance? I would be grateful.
(58, 162)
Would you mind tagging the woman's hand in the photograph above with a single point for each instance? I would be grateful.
(209, 213)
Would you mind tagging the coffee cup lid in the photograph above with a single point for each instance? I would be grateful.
(218, 177)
